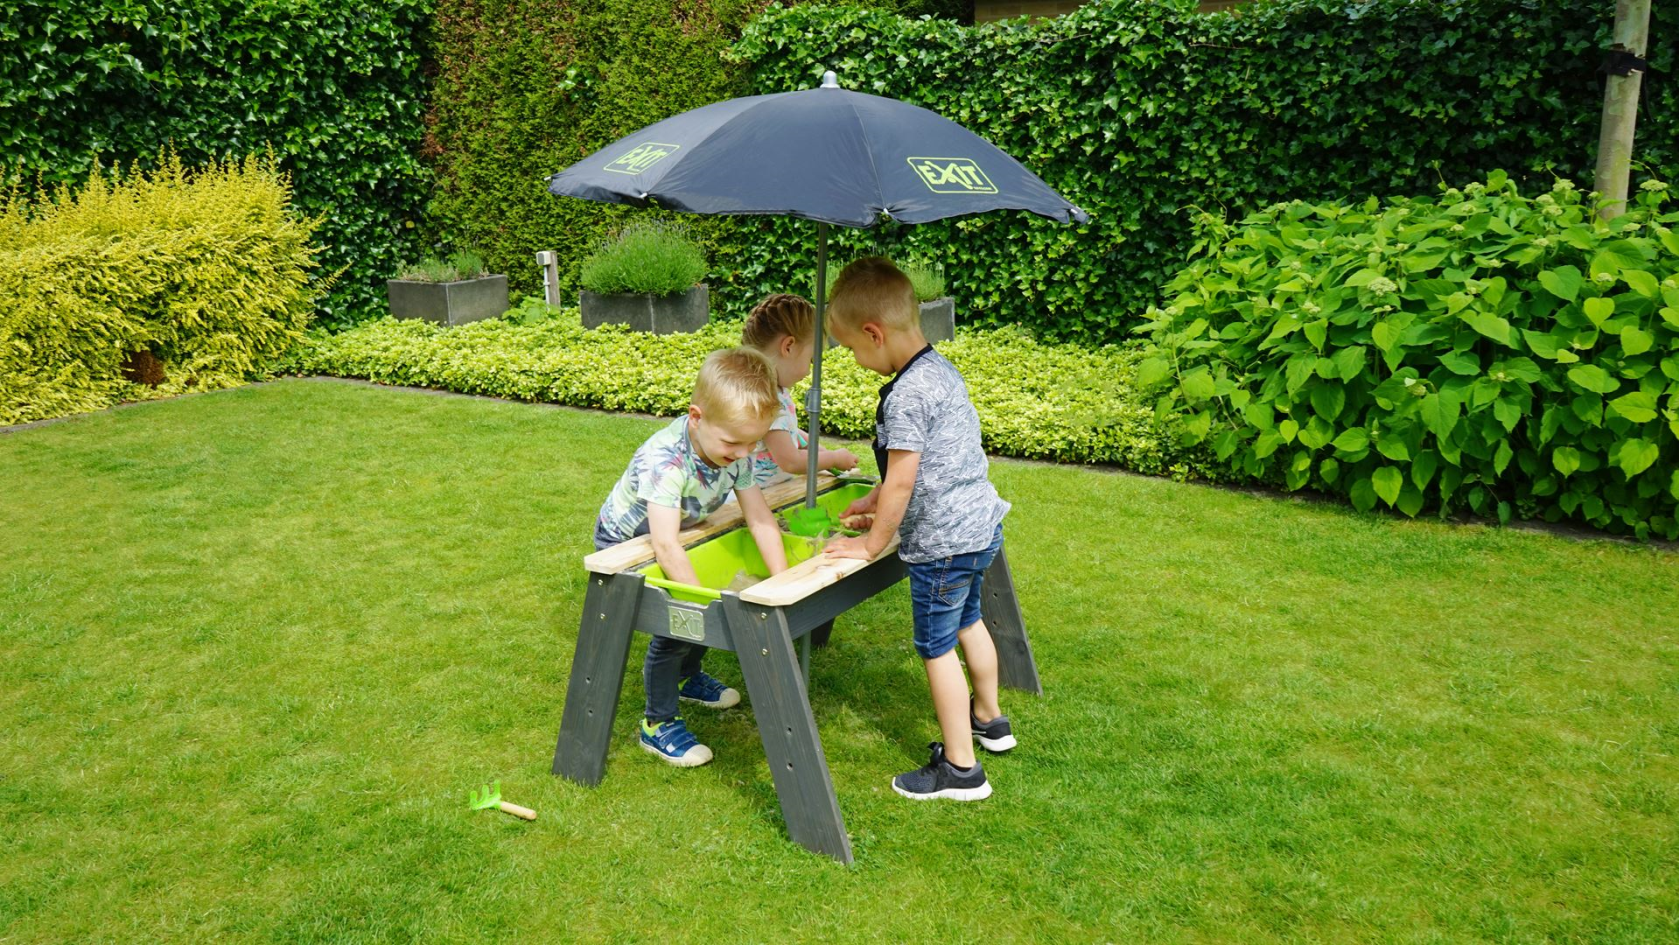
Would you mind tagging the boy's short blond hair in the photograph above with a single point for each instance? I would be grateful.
(737, 385)
(777, 316)
(871, 289)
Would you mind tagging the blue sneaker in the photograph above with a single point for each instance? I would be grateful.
(674, 743)
(708, 690)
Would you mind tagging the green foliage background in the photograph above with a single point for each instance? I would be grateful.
(335, 88)
(526, 88)
(1484, 350)
(1138, 109)
(209, 271)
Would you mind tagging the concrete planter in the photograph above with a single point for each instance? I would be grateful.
(660, 314)
(938, 319)
(448, 303)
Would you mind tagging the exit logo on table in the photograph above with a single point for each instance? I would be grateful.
(947, 175)
(641, 157)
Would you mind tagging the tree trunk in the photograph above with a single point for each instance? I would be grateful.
(1620, 108)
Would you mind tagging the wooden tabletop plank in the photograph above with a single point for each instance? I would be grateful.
(638, 551)
(807, 577)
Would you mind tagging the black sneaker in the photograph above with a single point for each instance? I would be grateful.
(939, 779)
(994, 736)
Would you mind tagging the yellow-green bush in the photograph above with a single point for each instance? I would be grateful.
(207, 269)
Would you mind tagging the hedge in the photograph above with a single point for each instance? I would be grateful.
(335, 88)
(1041, 401)
(1140, 109)
(1482, 350)
(525, 88)
(208, 272)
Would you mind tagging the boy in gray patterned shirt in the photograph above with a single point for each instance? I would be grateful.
(935, 495)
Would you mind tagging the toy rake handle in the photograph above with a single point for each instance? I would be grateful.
(518, 811)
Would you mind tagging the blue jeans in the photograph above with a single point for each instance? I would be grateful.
(944, 597)
(668, 661)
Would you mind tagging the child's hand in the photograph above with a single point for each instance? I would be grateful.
(863, 506)
(843, 460)
(848, 548)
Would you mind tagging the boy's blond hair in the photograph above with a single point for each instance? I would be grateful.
(871, 289)
(737, 385)
(777, 316)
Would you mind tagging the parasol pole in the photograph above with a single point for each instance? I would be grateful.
(813, 397)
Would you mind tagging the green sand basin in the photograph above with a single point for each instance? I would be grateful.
(731, 561)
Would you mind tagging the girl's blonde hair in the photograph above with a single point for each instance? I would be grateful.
(737, 385)
(778, 315)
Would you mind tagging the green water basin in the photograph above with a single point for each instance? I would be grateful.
(719, 561)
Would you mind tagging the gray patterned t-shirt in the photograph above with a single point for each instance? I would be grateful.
(954, 509)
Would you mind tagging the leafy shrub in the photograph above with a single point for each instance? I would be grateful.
(645, 258)
(208, 271)
(1034, 400)
(334, 87)
(527, 87)
(1136, 109)
(1512, 355)
(464, 264)
(927, 279)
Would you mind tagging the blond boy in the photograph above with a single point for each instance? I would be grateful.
(935, 495)
(682, 474)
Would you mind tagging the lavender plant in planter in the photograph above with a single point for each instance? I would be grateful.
(449, 292)
(646, 277)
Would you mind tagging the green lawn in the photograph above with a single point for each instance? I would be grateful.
(256, 646)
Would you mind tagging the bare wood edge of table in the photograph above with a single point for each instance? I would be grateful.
(809, 576)
(636, 551)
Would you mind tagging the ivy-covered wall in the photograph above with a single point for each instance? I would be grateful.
(1140, 109)
(335, 88)
(526, 88)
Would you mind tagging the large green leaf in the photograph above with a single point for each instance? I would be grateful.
(1387, 481)
(1638, 406)
(1327, 399)
(1593, 378)
(1636, 455)
(1563, 282)
(1566, 459)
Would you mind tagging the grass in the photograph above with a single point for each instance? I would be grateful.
(256, 647)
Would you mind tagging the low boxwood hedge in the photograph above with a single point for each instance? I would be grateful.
(1035, 400)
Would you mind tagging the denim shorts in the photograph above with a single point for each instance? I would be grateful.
(944, 597)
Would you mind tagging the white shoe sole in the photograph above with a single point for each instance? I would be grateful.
(995, 745)
(696, 756)
(731, 698)
(948, 794)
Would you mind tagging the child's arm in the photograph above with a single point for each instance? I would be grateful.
(891, 499)
(791, 459)
(761, 522)
(663, 525)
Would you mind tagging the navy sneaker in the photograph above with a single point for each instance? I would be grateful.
(708, 690)
(674, 743)
(938, 779)
(995, 736)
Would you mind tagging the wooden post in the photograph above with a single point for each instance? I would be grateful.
(1620, 108)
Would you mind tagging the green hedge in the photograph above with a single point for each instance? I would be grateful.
(526, 88)
(1484, 350)
(335, 88)
(1139, 109)
(1035, 400)
(207, 271)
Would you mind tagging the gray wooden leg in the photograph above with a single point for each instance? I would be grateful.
(1000, 610)
(788, 730)
(597, 676)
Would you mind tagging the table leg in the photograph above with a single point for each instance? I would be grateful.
(785, 724)
(597, 676)
(1000, 610)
